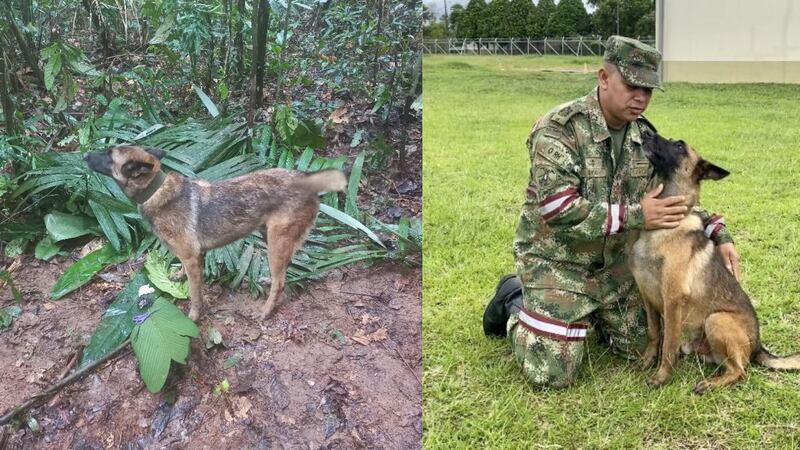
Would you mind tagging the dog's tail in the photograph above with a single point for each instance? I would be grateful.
(330, 180)
(766, 359)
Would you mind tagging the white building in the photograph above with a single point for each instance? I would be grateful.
(729, 41)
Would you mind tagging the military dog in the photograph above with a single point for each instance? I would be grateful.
(683, 279)
(193, 216)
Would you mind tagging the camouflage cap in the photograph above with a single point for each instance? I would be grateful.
(637, 62)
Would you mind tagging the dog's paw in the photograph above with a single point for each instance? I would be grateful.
(194, 314)
(263, 314)
(656, 382)
(701, 387)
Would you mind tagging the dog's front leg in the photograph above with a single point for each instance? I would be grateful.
(653, 334)
(193, 266)
(669, 348)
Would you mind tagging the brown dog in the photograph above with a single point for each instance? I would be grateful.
(193, 216)
(683, 280)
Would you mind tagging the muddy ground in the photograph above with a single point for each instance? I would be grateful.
(338, 366)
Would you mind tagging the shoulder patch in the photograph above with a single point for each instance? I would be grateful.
(643, 120)
(563, 113)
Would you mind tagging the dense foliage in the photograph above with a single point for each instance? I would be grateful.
(225, 87)
(544, 19)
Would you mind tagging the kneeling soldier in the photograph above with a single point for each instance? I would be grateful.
(588, 186)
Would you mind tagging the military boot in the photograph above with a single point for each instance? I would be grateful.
(507, 300)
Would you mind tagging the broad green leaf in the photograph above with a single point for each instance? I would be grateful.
(213, 337)
(148, 132)
(232, 361)
(305, 159)
(16, 247)
(63, 226)
(83, 67)
(46, 248)
(357, 138)
(209, 104)
(307, 133)
(351, 205)
(7, 316)
(51, 70)
(158, 273)
(116, 323)
(244, 263)
(163, 31)
(349, 221)
(85, 268)
(107, 225)
(162, 337)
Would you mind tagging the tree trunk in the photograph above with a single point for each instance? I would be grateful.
(377, 45)
(279, 81)
(413, 92)
(8, 104)
(27, 52)
(260, 29)
(238, 40)
(102, 30)
(209, 81)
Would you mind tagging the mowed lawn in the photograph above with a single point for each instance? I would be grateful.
(478, 112)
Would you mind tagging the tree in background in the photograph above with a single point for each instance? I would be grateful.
(533, 24)
(456, 15)
(476, 22)
(569, 19)
(539, 19)
(519, 10)
(499, 12)
(636, 17)
(544, 19)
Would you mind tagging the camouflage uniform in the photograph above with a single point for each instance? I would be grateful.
(570, 243)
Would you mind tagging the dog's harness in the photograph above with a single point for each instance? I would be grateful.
(151, 188)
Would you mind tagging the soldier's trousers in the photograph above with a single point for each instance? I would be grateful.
(548, 336)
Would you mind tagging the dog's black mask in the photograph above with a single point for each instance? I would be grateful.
(665, 155)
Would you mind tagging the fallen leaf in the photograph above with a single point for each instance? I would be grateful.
(338, 115)
(365, 339)
(367, 319)
(379, 335)
(243, 405)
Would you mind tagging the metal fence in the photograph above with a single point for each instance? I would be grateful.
(499, 46)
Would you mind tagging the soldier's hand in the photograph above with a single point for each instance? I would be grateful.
(662, 212)
(731, 258)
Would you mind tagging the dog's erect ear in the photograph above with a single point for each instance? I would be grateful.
(133, 169)
(709, 171)
(157, 152)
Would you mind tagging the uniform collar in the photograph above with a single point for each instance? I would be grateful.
(598, 121)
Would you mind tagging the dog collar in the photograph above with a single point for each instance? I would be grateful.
(151, 188)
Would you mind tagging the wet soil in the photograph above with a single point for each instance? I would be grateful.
(338, 366)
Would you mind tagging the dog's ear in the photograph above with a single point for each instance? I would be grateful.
(157, 152)
(709, 171)
(133, 169)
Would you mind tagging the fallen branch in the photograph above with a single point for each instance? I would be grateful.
(40, 397)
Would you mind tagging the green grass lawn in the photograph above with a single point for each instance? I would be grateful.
(478, 112)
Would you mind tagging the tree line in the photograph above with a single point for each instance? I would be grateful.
(543, 19)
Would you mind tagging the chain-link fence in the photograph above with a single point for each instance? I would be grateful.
(499, 46)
